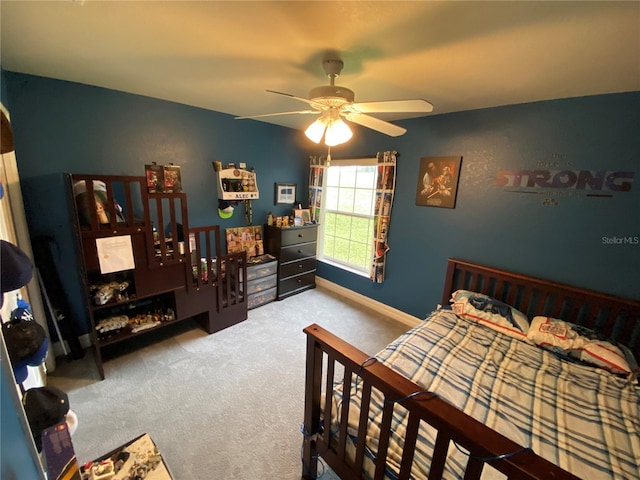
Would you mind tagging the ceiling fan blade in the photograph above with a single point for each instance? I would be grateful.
(279, 113)
(305, 100)
(376, 124)
(392, 106)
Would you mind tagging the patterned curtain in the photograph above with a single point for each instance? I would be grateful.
(317, 166)
(385, 189)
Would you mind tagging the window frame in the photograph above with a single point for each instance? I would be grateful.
(369, 160)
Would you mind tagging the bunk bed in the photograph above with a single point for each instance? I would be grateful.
(463, 395)
(144, 267)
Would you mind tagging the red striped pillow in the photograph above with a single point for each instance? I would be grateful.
(582, 344)
(490, 312)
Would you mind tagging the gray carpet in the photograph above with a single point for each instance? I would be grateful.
(221, 406)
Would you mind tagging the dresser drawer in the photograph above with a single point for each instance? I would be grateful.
(297, 252)
(296, 268)
(261, 270)
(293, 284)
(260, 298)
(263, 283)
(298, 235)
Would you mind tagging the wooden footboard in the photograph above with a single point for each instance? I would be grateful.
(328, 354)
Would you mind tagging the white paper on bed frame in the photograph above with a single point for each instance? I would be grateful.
(115, 254)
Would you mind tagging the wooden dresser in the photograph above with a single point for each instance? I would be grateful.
(295, 249)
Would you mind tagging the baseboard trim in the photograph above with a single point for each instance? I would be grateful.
(369, 303)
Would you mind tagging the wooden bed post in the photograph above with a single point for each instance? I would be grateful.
(449, 282)
(313, 392)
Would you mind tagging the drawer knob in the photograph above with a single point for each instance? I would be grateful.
(300, 235)
(299, 251)
(299, 265)
(299, 281)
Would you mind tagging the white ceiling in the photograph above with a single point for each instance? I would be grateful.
(223, 55)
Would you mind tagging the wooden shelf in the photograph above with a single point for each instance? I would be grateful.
(162, 280)
(125, 333)
(237, 184)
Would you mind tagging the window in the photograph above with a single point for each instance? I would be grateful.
(346, 224)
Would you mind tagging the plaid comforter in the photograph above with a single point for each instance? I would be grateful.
(583, 419)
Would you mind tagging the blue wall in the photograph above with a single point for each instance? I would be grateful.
(66, 127)
(514, 231)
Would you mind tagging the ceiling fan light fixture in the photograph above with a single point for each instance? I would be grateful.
(338, 132)
(315, 131)
(330, 126)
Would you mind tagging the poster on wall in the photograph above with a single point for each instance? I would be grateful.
(438, 181)
(248, 239)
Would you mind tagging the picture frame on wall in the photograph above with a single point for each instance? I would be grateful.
(172, 179)
(155, 177)
(438, 181)
(285, 193)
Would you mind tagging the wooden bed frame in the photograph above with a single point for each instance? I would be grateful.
(616, 317)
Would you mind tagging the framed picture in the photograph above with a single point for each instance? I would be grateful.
(438, 181)
(247, 238)
(172, 179)
(155, 178)
(285, 193)
(301, 216)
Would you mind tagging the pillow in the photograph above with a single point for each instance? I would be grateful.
(582, 344)
(490, 312)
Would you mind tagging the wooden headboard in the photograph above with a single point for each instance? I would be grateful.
(615, 317)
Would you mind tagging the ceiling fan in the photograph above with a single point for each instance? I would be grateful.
(332, 102)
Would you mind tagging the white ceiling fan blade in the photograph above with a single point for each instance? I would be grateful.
(376, 124)
(279, 113)
(393, 106)
(305, 100)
